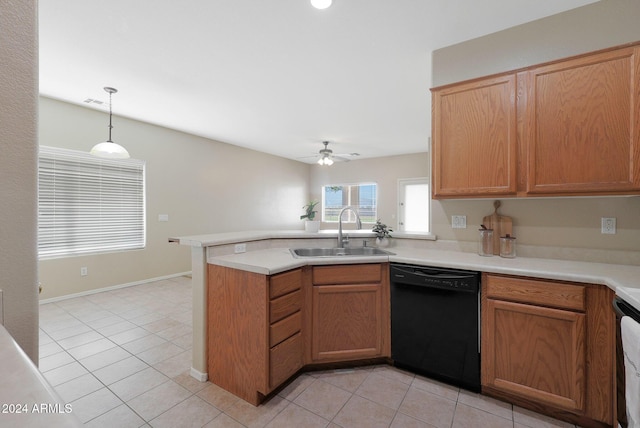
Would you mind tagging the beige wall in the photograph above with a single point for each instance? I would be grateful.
(18, 147)
(564, 223)
(204, 186)
(383, 171)
(557, 222)
(588, 28)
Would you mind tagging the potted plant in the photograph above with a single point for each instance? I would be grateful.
(383, 233)
(310, 225)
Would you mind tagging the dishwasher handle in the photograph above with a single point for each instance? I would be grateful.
(622, 309)
(400, 272)
(456, 281)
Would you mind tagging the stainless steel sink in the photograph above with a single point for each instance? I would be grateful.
(338, 252)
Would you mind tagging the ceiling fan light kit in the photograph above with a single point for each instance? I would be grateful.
(325, 160)
(109, 149)
(321, 4)
(326, 155)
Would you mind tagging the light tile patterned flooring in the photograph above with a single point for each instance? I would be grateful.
(122, 359)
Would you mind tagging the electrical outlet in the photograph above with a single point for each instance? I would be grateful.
(608, 225)
(240, 248)
(84, 271)
(458, 221)
(163, 217)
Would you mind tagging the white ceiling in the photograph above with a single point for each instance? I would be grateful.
(276, 76)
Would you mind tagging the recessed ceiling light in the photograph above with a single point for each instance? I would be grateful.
(321, 4)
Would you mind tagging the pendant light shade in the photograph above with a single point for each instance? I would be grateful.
(109, 149)
(321, 4)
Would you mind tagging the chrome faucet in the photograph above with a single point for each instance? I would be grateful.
(341, 241)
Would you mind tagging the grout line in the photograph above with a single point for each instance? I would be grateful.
(166, 294)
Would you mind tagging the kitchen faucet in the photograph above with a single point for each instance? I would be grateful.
(341, 241)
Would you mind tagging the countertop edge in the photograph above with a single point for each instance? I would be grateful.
(225, 238)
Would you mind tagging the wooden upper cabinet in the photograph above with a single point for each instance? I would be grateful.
(581, 124)
(569, 127)
(474, 138)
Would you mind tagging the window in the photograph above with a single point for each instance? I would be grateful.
(413, 205)
(88, 204)
(362, 197)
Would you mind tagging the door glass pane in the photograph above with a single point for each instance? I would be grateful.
(414, 201)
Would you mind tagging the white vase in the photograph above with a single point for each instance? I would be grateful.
(382, 242)
(312, 226)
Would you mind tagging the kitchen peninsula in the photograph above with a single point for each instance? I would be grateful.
(267, 253)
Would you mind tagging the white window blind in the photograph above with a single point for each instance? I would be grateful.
(88, 204)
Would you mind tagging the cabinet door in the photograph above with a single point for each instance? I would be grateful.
(285, 360)
(347, 322)
(582, 125)
(535, 352)
(474, 138)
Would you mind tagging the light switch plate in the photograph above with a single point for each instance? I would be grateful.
(458, 221)
(163, 217)
(608, 225)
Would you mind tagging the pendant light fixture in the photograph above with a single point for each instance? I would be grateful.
(109, 149)
(321, 4)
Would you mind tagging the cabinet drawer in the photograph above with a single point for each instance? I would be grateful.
(284, 328)
(284, 360)
(284, 283)
(284, 306)
(347, 274)
(546, 293)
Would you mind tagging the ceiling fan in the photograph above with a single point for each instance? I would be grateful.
(326, 157)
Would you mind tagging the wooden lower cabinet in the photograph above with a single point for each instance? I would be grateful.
(549, 346)
(346, 324)
(255, 336)
(261, 329)
(350, 313)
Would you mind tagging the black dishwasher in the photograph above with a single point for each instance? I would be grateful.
(435, 327)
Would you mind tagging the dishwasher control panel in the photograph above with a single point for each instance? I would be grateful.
(452, 279)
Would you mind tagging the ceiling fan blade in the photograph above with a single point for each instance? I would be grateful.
(327, 152)
(340, 158)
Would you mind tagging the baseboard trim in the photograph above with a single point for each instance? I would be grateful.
(198, 375)
(113, 287)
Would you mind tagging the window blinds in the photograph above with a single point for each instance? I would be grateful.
(88, 204)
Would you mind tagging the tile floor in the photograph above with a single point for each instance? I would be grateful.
(122, 359)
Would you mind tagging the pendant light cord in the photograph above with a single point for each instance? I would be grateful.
(110, 114)
(111, 91)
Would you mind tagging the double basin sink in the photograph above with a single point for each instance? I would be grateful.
(338, 252)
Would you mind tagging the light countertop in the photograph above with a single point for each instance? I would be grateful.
(623, 279)
(27, 398)
(214, 239)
